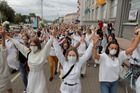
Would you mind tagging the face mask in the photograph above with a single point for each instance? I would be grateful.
(34, 49)
(113, 52)
(72, 59)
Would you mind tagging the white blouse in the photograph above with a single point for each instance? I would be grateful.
(74, 76)
(109, 69)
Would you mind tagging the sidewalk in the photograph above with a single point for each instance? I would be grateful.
(124, 43)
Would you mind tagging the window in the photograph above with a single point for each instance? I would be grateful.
(114, 8)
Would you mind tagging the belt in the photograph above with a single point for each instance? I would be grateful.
(70, 84)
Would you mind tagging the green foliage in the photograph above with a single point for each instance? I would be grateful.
(7, 12)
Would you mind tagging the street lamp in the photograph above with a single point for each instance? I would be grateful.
(42, 9)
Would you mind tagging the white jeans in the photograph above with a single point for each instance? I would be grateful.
(138, 85)
(70, 89)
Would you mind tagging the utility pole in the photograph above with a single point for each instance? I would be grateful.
(42, 9)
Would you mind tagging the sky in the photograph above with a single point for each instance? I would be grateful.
(52, 8)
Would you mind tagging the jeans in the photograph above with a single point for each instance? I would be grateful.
(109, 87)
(24, 74)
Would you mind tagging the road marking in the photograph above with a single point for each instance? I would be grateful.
(15, 77)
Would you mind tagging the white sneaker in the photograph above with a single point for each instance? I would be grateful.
(24, 91)
(95, 65)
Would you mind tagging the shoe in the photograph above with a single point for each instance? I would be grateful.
(24, 91)
(82, 75)
(95, 65)
(51, 79)
(13, 71)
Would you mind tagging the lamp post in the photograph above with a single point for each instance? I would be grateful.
(42, 9)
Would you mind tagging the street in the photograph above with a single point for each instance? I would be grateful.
(90, 83)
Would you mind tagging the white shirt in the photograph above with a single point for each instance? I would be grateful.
(82, 48)
(88, 38)
(75, 40)
(12, 57)
(74, 76)
(109, 69)
(52, 52)
(136, 54)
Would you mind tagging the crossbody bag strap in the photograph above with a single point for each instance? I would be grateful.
(68, 72)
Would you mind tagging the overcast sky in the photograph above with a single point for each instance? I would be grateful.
(52, 8)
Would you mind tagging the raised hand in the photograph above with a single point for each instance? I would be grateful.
(95, 39)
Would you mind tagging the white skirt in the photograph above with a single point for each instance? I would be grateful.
(5, 84)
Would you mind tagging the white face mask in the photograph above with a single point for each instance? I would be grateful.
(34, 49)
(72, 59)
(113, 52)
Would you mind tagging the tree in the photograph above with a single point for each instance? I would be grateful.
(7, 12)
(32, 14)
(18, 18)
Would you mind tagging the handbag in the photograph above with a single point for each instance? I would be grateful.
(133, 73)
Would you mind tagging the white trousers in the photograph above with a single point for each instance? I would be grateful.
(138, 85)
(83, 69)
(70, 89)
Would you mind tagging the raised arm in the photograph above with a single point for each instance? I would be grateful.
(86, 55)
(3, 38)
(23, 49)
(47, 48)
(58, 51)
(95, 53)
(134, 44)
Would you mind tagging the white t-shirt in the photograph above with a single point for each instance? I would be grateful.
(109, 69)
(136, 54)
(138, 85)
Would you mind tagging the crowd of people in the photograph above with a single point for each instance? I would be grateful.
(66, 48)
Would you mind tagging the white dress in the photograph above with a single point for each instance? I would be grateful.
(74, 76)
(12, 57)
(5, 82)
(36, 61)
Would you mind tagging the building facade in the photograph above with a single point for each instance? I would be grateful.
(70, 18)
(127, 18)
(125, 14)
(93, 10)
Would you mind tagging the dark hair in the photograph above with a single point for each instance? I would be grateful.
(107, 50)
(72, 49)
(36, 41)
(113, 37)
(62, 45)
(100, 33)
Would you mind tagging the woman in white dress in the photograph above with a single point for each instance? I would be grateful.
(71, 83)
(36, 60)
(5, 83)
